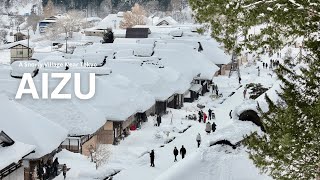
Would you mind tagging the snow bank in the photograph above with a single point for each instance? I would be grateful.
(234, 132)
(246, 105)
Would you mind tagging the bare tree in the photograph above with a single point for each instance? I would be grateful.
(102, 154)
(137, 16)
(73, 21)
(49, 9)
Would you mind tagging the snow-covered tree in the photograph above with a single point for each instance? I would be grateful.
(102, 154)
(71, 22)
(290, 147)
(137, 16)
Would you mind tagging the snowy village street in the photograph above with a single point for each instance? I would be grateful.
(119, 90)
(131, 156)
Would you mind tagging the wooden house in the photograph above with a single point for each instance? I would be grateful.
(175, 101)
(12, 154)
(20, 50)
(19, 36)
(25, 133)
(193, 93)
(110, 133)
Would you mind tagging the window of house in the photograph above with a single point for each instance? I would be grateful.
(20, 52)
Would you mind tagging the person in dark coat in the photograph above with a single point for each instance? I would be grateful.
(213, 127)
(230, 114)
(175, 153)
(40, 170)
(64, 171)
(200, 116)
(55, 167)
(183, 151)
(239, 80)
(159, 120)
(48, 170)
(152, 158)
(210, 113)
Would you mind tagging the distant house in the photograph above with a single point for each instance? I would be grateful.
(20, 50)
(193, 93)
(111, 21)
(137, 32)
(44, 24)
(11, 155)
(166, 21)
(19, 36)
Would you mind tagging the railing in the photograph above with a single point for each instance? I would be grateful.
(9, 169)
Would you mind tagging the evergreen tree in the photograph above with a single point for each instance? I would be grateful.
(290, 147)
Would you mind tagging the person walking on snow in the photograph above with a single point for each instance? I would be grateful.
(208, 127)
(55, 167)
(200, 116)
(239, 80)
(210, 114)
(204, 117)
(244, 93)
(159, 120)
(64, 171)
(198, 139)
(258, 71)
(175, 153)
(183, 151)
(230, 114)
(213, 127)
(152, 158)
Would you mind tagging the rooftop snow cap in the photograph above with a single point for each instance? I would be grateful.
(27, 126)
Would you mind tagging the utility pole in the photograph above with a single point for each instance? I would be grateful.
(65, 28)
(28, 45)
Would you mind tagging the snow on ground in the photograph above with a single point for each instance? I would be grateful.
(216, 162)
(5, 56)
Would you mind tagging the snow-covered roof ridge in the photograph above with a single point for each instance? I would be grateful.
(23, 42)
(26, 126)
(168, 19)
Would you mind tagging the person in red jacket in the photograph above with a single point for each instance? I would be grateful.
(204, 117)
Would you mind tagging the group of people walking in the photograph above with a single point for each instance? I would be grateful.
(49, 170)
(182, 151)
(215, 89)
(203, 116)
(273, 63)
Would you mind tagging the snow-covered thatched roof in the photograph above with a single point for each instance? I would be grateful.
(28, 127)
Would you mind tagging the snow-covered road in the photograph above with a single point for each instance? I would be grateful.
(206, 163)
